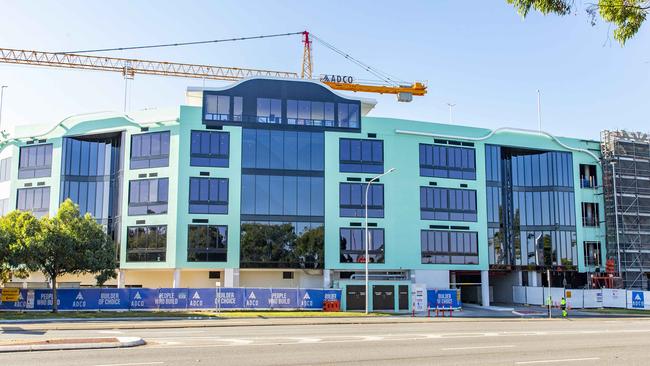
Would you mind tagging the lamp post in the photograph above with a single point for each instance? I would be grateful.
(2, 94)
(366, 229)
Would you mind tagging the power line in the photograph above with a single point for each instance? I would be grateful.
(182, 43)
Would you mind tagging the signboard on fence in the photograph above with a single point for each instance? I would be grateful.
(614, 298)
(419, 297)
(10, 294)
(444, 299)
(638, 300)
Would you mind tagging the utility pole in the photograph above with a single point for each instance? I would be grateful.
(451, 107)
(2, 94)
(539, 110)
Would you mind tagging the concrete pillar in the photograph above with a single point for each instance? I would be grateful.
(485, 288)
(327, 278)
(520, 278)
(176, 281)
(121, 278)
(452, 279)
(534, 279)
(231, 277)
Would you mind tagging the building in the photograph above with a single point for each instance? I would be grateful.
(262, 183)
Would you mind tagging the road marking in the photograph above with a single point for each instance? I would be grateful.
(109, 332)
(554, 361)
(477, 347)
(133, 364)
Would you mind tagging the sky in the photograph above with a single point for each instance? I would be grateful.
(477, 54)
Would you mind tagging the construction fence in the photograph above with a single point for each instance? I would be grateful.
(583, 299)
(148, 299)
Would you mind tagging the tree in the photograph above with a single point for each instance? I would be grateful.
(69, 243)
(309, 247)
(626, 15)
(16, 230)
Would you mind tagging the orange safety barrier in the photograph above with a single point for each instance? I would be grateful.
(331, 305)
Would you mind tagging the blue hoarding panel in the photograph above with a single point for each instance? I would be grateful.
(172, 298)
(143, 299)
(78, 299)
(113, 299)
(443, 299)
(42, 300)
(230, 298)
(15, 305)
(310, 299)
(256, 298)
(201, 298)
(638, 302)
(283, 298)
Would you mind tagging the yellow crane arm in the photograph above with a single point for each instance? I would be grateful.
(417, 89)
(130, 67)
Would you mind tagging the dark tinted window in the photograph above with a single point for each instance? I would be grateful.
(353, 245)
(286, 150)
(36, 200)
(348, 115)
(209, 148)
(208, 196)
(35, 161)
(447, 204)
(217, 108)
(447, 162)
(449, 247)
(207, 243)
(146, 243)
(150, 150)
(308, 113)
(148, 196)
(269, 110)
(361, 156)
(352, 200)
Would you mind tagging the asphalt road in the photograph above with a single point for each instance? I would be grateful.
(453, 342)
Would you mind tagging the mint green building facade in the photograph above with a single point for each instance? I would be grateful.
(478, 246)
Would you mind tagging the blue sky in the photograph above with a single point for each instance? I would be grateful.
(479, 55)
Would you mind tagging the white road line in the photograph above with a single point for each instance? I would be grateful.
(109, 332)
(555, 361)
(477, 347)
(133, 364)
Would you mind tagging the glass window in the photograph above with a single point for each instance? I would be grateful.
(353, 245)
(361, 156)
(209, 148)
(148, 196)
(208, 196)
(207, 243)
(284, 150)
(36, 200)
(217, 107)
(150, 150)
(35, 161)
(146, 243)
(448, 204)
(352, 200)
(269, 110)
(448, 162)
(5, 169)
(449, 247)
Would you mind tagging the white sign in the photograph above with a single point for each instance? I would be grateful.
(419, 296)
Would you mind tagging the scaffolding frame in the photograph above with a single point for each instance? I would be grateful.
(626, 181)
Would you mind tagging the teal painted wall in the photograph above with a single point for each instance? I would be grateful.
(402, 223)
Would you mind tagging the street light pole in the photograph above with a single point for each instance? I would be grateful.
(366, 234)
(2, 94)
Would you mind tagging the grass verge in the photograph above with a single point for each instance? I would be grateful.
(179, 314)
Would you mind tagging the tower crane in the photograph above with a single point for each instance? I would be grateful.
(129, 67)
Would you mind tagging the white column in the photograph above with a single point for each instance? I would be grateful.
(231, 277)
(452, 280)
(176, 281)
(534, 279)
(327, 278)
(121, 278)
(485, 288)
(520, 278)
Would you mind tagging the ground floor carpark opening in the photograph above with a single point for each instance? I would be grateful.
(384, 296)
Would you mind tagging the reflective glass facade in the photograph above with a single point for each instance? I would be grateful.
(447, 162)
(447, 204)
(208, 196)
(148, 196)
(207, 243)
(36, 200)
(146, 243)
(210, 149)
(150, 150)
(449, 247)
(353, 245)
(361, 156)
(530, 207)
